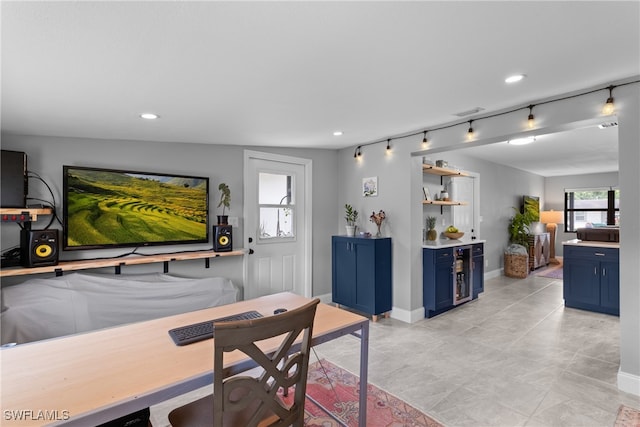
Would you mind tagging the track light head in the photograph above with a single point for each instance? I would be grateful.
(388, 144)
(470, 132)
(609, 108)
(531, 123)
(425, 141)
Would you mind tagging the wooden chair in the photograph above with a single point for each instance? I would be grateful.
(244, 400)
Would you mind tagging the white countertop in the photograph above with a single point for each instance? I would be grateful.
(449, 243)
(592, 243)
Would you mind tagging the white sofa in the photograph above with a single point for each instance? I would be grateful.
(46, 308)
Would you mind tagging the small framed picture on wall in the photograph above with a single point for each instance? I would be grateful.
(370, 186)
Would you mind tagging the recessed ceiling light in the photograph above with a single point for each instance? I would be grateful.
(337, 133)
(522, 141)
(149, 116)
(514, 78)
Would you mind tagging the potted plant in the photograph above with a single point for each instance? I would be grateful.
(516, 257)
(432, 234)
(351, 215)
(225, 202)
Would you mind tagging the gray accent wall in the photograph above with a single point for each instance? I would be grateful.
(221, 163)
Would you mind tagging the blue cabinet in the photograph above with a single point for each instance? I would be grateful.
(478, 269)
(591, 278)
(361, 273)
(447, 274)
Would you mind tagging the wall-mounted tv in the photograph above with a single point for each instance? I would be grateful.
(531, 204)
(107, 208)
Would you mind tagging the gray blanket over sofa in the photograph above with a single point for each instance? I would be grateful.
(46, 308)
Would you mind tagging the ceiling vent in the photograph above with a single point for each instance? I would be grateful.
(608, 125)
(469, 112)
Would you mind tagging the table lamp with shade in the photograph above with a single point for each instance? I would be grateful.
(552, 219)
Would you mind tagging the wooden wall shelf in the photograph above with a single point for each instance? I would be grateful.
(63, 266)
(443, 203)
(31, 212)
(434, 170)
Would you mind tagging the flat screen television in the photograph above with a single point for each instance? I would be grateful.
(531, 204)
(107, 208)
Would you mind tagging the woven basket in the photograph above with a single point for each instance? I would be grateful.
(516, 265)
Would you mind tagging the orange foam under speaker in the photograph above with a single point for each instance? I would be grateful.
(222, 238)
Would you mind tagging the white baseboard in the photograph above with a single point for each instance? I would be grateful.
(406, 315)
(628, 383)
(493, 273)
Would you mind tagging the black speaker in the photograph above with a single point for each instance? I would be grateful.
(38, 248)
(14, 179)
(222, 239)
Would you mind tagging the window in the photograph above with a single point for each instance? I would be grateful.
(276, 205)
(591, 207)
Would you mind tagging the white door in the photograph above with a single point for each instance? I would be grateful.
(277, 203)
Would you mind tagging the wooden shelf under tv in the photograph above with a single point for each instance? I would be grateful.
(32, 212)
(64, 266)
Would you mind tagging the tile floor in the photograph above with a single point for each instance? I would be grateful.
(513, 357)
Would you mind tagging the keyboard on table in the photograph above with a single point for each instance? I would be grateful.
(204, 330)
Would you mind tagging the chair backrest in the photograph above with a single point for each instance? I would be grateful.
(249, 400)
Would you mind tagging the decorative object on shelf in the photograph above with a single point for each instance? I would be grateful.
(442, 163)
(444, 194)
(432, 234)
(351, 216)
(427, 193)
(370, 186)
(377, 218)
(225, 202)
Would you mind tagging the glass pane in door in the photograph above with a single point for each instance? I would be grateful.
(276, 206)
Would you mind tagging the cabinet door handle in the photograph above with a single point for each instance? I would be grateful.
(604, 271)
(595, 271)
(598, 254)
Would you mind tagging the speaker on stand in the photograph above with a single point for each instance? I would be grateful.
(222, 238)
(38, 248)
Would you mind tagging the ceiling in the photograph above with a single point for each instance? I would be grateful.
(289, 74)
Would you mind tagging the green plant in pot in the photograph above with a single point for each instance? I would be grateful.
(351, 216)
(432, 234)
(516, 257)
(519, 228)
(225, 202)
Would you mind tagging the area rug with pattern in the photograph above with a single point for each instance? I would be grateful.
(337, 390)
(627, 417)
(553, 271)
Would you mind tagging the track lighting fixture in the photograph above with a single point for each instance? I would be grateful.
(470, 133)
(608, 108)
(531, 120)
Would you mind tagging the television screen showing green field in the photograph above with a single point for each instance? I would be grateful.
(106, 208)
